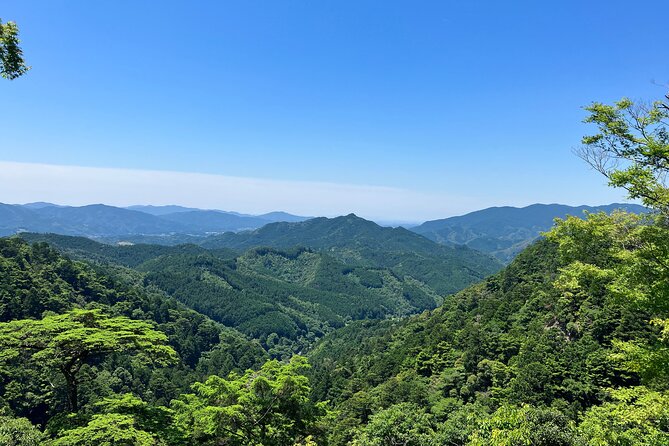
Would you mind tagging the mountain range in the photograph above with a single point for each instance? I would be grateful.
(501, 232)
(98, 220)
(505, 231)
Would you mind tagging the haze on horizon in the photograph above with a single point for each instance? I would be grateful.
(78, 186)
(395, 112)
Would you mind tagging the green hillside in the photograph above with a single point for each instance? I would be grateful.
(298, 295)
(130, 255)
(292, 296)
(565, 346)
(163, 224)
(357, 241)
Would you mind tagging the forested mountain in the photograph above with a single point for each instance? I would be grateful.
(286, 299)
(201, 222)
(269, 217)
(295, 294)
(522, 355)
(16, 218)
(93, 221)
(500, 232)
(357, 241)
(129, 255)
(101, 221)
(277, 216)
(283, 300)
(504, 231)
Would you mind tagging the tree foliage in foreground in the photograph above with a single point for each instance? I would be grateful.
(66, 342)
(12, 64)
(269, 407)
(633, 416)
(631, 148)
(20, 432)
(107, 430)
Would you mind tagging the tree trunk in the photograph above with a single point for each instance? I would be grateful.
(72, 391)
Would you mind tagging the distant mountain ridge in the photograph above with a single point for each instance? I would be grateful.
(160, 210)
(504, 231)
(103, 221)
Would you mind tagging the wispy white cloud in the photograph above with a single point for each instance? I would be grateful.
(76, 185)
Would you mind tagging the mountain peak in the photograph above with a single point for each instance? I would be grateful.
(40, 205)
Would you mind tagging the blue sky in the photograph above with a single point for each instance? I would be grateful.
(438, 107)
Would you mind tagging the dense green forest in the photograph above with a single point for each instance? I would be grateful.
(354, 240)
(291, 297)
(290, 345)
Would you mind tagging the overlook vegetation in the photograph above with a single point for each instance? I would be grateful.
(303, 333)
(541, 340)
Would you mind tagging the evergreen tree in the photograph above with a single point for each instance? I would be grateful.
(68, 341)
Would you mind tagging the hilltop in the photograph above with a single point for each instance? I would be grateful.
(356, 241)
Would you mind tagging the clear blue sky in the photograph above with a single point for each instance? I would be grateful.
(466, 104)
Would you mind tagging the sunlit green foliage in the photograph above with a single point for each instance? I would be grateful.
(537, 345)
(525, 425)
(270, 407)
(19, 432)
(68, 341)
(635, 416)
(120, 420)
(403, 424)
(35, 281)
(631, 148)
(107, 430)
(623, 257)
